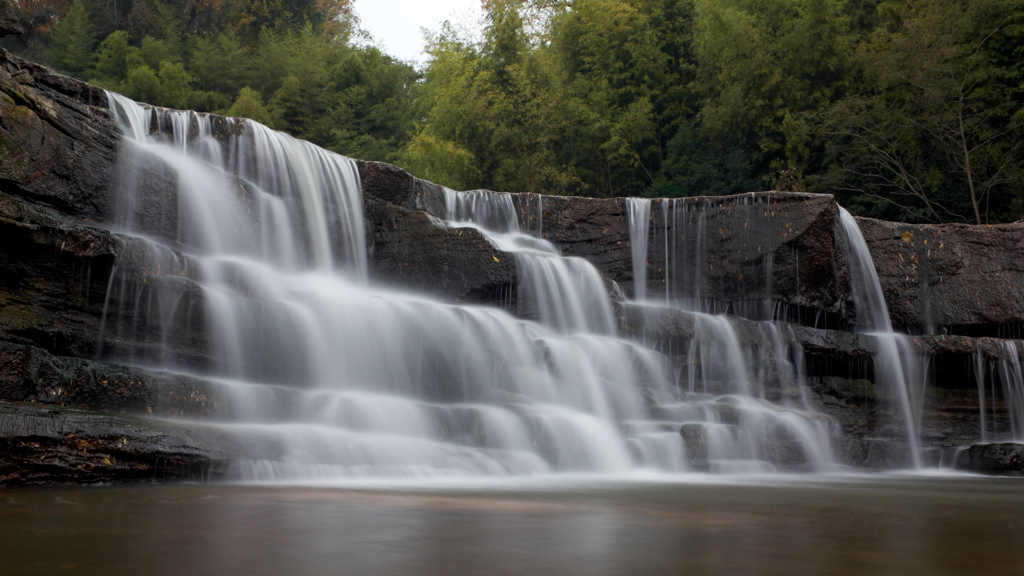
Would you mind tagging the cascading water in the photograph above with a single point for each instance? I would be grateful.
(1007, 371)
(638, 213)
(565, 293)
(722, 415)
(382, 383)
(329, 377)
(896, 364)
(678, 246)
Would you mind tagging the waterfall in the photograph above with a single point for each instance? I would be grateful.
(680, 247)
(566, 293)
(979, 378)
(1009, 373)
(249, 262)
(268, 231)
(895, 360)
(638, 213)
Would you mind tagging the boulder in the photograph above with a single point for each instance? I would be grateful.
(1001, 459)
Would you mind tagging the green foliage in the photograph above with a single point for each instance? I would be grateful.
(905, 109)
(935, 133)
(113, 57)
(696, 166)
(73, 40)
(439, 161)
(249, 104)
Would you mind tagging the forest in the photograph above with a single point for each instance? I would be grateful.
(909, 110)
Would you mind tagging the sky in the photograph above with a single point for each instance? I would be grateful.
(395, 24)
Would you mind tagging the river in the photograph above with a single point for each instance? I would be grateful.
(890, 524)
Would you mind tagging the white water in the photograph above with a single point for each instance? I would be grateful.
(638, 213)
(678, 249)
(1007, 371)
(328, 376)
(896, 364)
(564, 293)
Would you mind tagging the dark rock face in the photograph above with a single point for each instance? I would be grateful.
(414, 250)
(58, 141)
(75, 289)
(739, 253)
(1002, 459)
(53, 278)
(392, 184)
(29, 374)
(9, 24)
(961, 278)
(45, 445)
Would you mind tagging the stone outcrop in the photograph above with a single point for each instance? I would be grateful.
(45, 445)
(744, 253)
(414, 250)
(952, 278)
(30, 374)
(58, 141)
(9, 24)
(999, 459)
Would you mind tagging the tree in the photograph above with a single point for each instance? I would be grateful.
(249, 104)
(113, 57)
(939, 136)
(73, 41)
(439, 161)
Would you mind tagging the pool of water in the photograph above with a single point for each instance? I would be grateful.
(822, 525)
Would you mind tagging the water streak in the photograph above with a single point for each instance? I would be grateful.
(895, 360)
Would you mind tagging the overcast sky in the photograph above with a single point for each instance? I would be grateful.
(395, 24)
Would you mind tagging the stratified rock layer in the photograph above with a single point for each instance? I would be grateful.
(45, 445)
(417, 251)
(726, 252)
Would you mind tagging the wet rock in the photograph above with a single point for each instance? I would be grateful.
(392, 184)
(1002, 459)
(9, 23)
(58, 276)
(29, 374)
(768, 246)
(414, 250)
(783, 453)
(887, 453)
(58, 141)
(695, 438)
(45, 445)
(957, 278)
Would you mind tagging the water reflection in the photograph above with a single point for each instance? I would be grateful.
(898, 526)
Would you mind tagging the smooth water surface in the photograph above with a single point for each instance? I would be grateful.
(887, 525)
